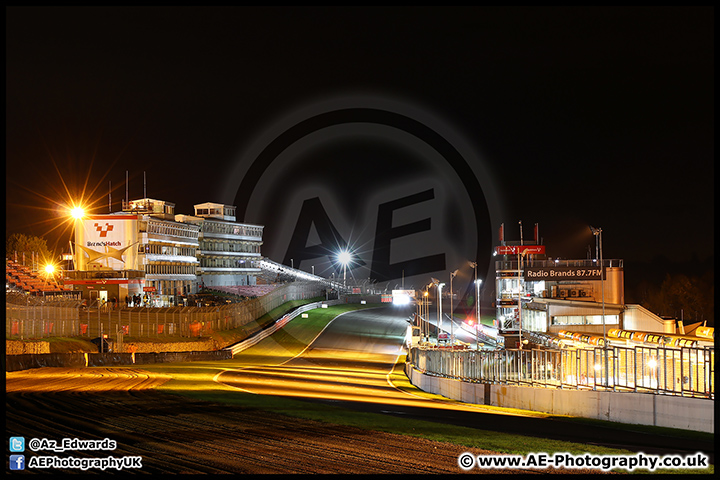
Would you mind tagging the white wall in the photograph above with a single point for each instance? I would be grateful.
(639, 318)
(634, 408)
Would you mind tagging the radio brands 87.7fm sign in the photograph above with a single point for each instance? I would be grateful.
(397, 187)
(562, 273)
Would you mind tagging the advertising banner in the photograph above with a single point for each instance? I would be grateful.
(106, 242)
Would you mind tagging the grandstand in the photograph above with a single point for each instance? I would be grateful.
(249, 291)
(272, 275)
(22, 278)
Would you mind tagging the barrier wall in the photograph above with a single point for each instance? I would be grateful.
(39, 321)
(80, 360)
(634, 408)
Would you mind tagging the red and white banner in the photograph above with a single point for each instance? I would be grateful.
(106, 241)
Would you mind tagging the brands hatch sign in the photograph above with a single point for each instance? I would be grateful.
(562, 273)
(106, 241)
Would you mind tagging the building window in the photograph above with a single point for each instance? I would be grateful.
(584, 319)
(598, 319)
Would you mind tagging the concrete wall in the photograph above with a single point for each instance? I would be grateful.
(637, 317)
(634, 408)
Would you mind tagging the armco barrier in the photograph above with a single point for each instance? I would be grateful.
(15, 363)
(262, 334)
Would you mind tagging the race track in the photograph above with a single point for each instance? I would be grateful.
(347, 364)
(177, 435)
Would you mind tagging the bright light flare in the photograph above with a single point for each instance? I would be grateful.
(77, 212)
(401, 299)
(344, 257)
(49, 268)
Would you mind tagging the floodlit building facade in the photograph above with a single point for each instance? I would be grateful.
(149, 250)
(228, 251)
(536, 293)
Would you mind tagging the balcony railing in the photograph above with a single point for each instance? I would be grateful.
(530, 262)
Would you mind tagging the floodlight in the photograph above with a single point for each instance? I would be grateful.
(344, 257)
(77, 212)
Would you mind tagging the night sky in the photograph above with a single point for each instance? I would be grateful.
(581, 116)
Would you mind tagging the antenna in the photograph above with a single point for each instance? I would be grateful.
(127, 200)
(144, 186)
(109, 196)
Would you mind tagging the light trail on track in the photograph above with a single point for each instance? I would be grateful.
(350, 364)
(351, 361)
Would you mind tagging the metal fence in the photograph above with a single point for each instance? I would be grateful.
(673, 371)
(38, 321)
(37, 317)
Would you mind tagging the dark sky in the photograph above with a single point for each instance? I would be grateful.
(584, 116)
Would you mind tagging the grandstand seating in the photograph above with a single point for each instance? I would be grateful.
(23, 278)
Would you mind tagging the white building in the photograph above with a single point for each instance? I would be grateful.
(539, 294)
(149, 250)
(229, 252)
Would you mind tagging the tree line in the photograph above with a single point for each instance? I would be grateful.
(17, 244)
(685, 297)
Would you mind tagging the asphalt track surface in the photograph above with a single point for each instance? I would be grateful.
(346, 365)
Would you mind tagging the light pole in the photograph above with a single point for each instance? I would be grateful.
(598, 237)
(452, 320)
(477, 324)
(425, 308)
(477, 289)
(344, 259)
(477, 306)
(439, 292)
(521, 256)
(520, 298)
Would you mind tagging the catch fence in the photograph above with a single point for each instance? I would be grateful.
(672, 371)
(39, 321)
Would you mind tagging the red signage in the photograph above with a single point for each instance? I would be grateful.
(518, 249)
(149, 289)
(103, 281)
